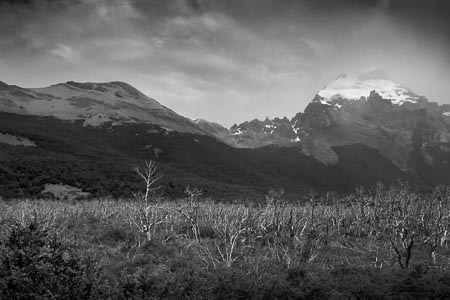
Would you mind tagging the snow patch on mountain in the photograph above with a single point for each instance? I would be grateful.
(356, 87)
(238, 131)
(447, 114)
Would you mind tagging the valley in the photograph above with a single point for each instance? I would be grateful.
(82, 131)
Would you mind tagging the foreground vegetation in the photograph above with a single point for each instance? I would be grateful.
(384, 243)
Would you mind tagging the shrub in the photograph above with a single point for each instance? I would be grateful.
(35, 264)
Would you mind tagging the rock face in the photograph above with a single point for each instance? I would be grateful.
(258, 133)
(94, 104)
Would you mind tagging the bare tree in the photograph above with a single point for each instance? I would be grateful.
(150, 176)
(150, 213)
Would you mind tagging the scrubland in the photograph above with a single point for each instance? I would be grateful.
(382, 243)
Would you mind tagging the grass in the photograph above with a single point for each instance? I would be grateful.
(386, 244)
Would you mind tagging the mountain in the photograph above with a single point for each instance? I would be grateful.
(368, 109)
(90, 136)
(216, 130)
(351, 91)
(93, 104)
(101, 160)
(256, 133)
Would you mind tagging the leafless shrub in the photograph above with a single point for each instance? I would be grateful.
(434, 221)
(229, 226)
(410, 221)
(149, 213)
(272, 217)
(191, 212)
(313, 203)
(204, 253)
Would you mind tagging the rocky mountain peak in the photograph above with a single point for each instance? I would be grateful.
(374, 96)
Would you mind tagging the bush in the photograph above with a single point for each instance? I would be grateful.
(34, 264)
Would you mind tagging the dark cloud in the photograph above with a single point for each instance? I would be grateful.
(28, 26)
(225, 60)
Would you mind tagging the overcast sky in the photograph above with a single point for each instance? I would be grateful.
(226, 60)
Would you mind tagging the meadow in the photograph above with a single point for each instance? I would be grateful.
(383, 243)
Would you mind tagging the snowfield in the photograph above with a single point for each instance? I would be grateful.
(353, 88)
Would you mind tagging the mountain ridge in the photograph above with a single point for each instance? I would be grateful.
(388, 125)
(96, 104)
(336, 145)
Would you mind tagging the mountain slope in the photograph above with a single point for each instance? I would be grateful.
(100, 160)
(94, 104)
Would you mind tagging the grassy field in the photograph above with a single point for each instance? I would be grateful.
(385, 243)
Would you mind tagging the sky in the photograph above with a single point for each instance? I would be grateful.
(226, 61)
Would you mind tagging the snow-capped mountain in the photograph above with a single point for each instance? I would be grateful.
(367, 109)
(94, 104)
(354, 94)
(359, 87)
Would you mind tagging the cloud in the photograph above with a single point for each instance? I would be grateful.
(65, 52)
(225, 60)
